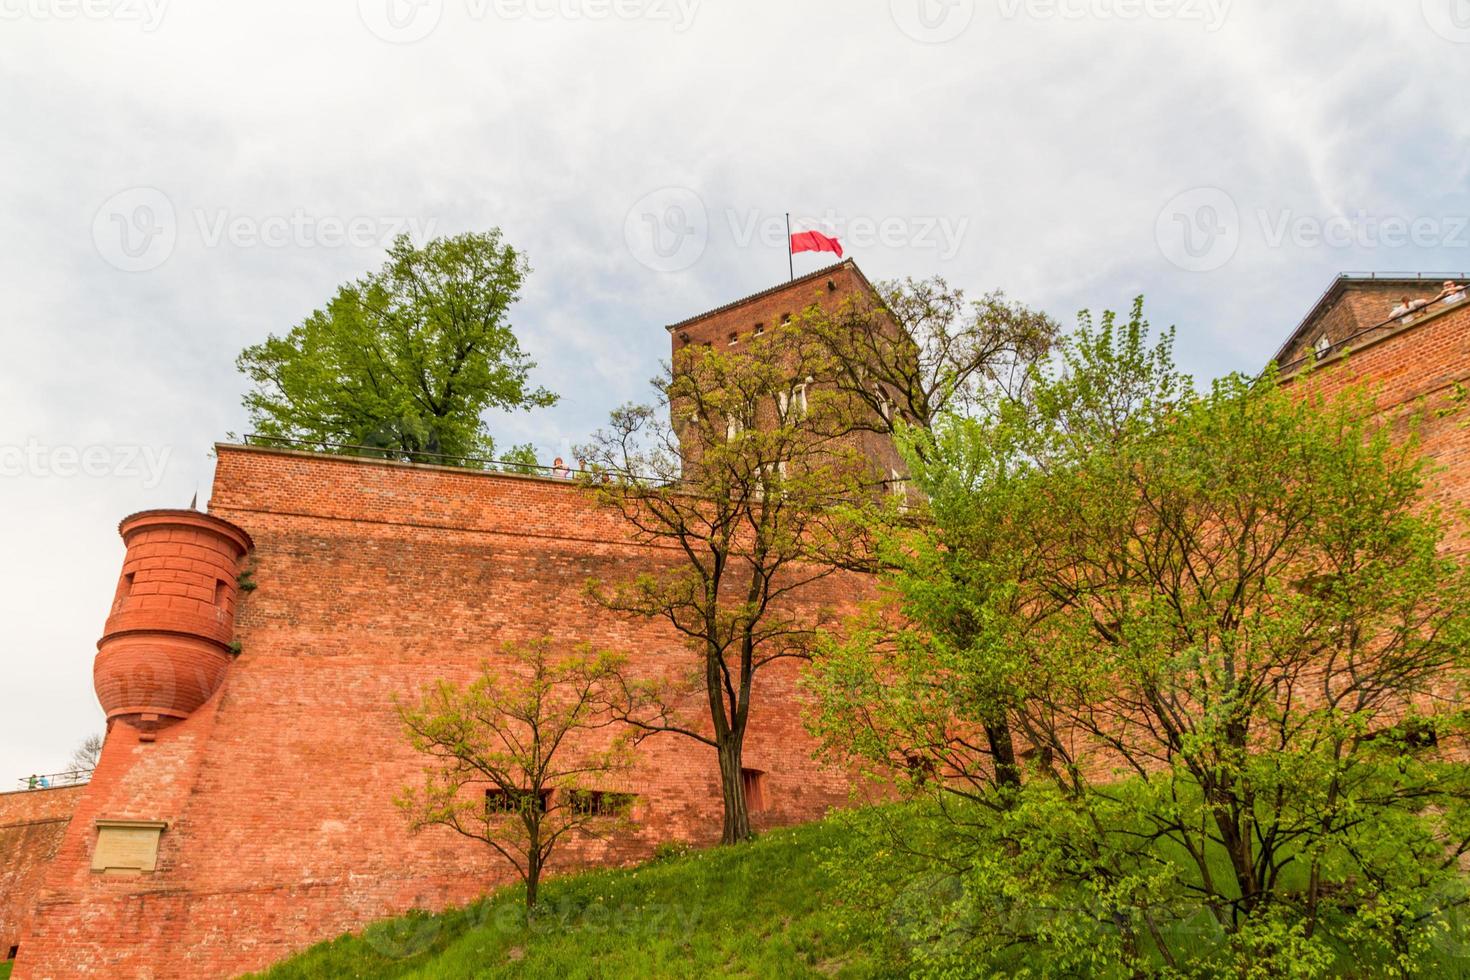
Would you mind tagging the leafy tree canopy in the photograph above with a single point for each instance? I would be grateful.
(404, 360)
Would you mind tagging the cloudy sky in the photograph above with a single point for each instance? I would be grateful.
(182, 177)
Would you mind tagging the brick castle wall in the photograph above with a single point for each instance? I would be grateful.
(373, 580)
(32, 823)
(1417, 373)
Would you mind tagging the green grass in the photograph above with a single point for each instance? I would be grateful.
(5, 968)
(771, 908)
(763, 909)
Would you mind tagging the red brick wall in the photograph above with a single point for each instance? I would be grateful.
(31, 827)
(373, 579)
(1414, 371)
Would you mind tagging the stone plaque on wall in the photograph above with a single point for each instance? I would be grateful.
(127, 846)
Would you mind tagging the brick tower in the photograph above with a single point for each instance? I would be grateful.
(166, 644)
(735, 323)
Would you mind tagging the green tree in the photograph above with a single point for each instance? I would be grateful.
(406, 359)
(915, 350)
(1226, 633)
(513, 758)
(737, 475)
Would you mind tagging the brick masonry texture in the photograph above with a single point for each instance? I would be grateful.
(1417, 373)
(31, 827)
(373, 580)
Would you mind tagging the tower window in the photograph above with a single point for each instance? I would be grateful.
(219, 592)
(1322, 344)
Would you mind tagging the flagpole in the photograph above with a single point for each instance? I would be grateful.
(790, 264)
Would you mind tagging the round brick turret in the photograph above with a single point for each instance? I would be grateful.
(166, 645)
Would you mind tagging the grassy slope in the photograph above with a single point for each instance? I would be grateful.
(761, 910)
(5, 967)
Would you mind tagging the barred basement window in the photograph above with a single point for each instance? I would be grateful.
(734, 338)
(499, 801)
(600, 803)
(760, 328)
(754, 782)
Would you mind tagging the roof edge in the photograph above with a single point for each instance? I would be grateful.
(1336, 286)
(736, 303)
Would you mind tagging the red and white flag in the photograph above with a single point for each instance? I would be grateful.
(815, 241)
